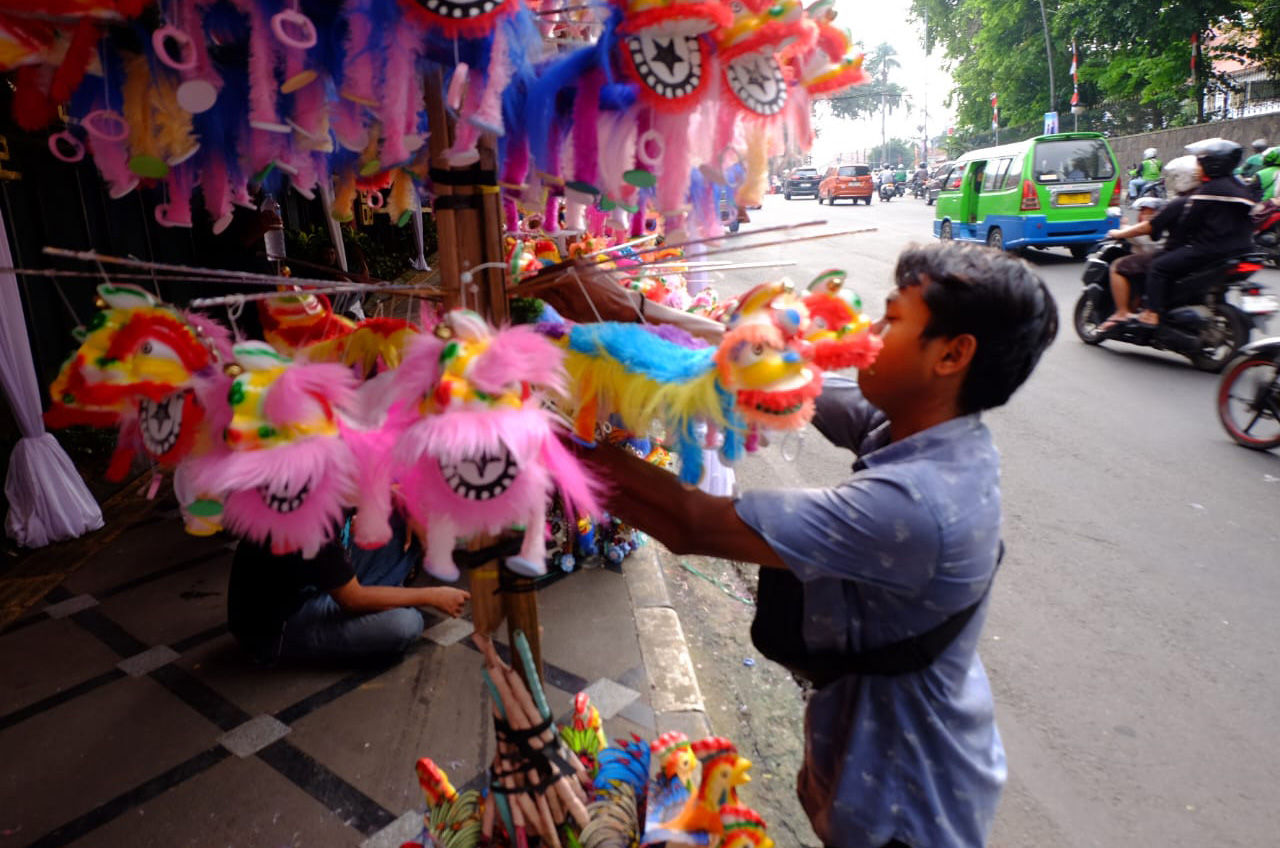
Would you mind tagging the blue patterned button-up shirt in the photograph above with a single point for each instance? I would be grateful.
(908, 540)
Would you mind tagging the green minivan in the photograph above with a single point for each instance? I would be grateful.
(1047, 191)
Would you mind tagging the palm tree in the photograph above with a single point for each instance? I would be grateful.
(879, 64)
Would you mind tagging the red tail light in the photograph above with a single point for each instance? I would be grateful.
(1248, 268)
(1117, 198)
(1251, 290)
(1030, 200)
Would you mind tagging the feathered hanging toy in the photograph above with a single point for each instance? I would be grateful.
(476, 451)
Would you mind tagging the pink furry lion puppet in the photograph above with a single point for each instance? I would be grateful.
(477, 452)
(288, 474)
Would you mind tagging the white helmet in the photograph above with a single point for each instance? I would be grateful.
(1181, 175)
(1156, 203)
(1149, 153)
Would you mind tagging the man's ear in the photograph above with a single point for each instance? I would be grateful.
(957, 353)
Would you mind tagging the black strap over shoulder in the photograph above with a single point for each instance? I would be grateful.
(777, 632)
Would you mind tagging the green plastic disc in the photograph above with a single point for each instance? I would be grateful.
(149, 166)
(640, 178)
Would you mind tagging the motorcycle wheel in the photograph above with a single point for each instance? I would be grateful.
(1249, 397)
(1088, 316)
(1228, 332)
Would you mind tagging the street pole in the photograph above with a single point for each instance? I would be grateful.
(1048, 54)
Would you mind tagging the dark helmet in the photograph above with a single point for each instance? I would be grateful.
(1218, 157)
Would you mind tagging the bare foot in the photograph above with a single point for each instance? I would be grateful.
(448, 600)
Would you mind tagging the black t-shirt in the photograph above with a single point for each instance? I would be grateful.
(1217, 219)
(1170, 220)
(266, 589)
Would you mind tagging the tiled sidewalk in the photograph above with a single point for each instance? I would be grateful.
(128, 716)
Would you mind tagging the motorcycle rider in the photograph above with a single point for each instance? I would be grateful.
(1144, 172)
(1253, 164)
(1270, 173)
(1128, 273)
(1215, 220)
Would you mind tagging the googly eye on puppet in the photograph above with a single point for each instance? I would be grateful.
(287, 475)
(476, 450)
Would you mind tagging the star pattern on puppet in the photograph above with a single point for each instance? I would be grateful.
(667, 55)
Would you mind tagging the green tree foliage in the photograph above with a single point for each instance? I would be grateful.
(878, 91)
(1135, 58)
(899, 150)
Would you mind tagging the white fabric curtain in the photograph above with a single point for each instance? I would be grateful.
(48, 502)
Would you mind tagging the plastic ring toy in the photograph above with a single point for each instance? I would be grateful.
(106, 124)
(375, 200)
(651, 159)
(183, 58)
(306, 31)
(66, 147)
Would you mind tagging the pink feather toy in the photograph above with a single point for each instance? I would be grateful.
(288, 475)
(479, 453)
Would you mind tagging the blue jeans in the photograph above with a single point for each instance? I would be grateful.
(320, 630)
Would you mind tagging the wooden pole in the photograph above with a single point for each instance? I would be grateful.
(468, 213)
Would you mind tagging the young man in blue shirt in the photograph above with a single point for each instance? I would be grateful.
(909, 541)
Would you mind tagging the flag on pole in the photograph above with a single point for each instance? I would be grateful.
(1075, 80)
(995, 111)
(1195, 47)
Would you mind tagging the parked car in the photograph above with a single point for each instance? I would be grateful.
(801, 181)
(846, 181)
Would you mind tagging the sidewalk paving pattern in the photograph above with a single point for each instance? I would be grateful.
(129, 716)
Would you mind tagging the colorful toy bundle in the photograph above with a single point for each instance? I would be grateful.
(760, 377)
(572, 788)
(648, 107)
(450, 425)
(278, 447)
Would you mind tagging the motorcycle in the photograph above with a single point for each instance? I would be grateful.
(1153, 188)
(1266, 232)
(918, 188)
(899, 189)
(886, 191)
(1249, 396)
(1200, 324)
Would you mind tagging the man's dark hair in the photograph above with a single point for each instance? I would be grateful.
(998, 299)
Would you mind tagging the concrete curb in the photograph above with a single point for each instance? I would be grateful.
(674, 694)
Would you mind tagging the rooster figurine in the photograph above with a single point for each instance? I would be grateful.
(673, 783)
(620, 794)
(585, 733)
(698, 823)
(743, 828)
(454, 820)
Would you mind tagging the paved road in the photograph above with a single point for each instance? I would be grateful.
(1133, 641)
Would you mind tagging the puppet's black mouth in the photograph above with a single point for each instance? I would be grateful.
(757, 81)
(482, 477)
(161, 422)
(671, 67)
(459, 10)
(281, 498)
